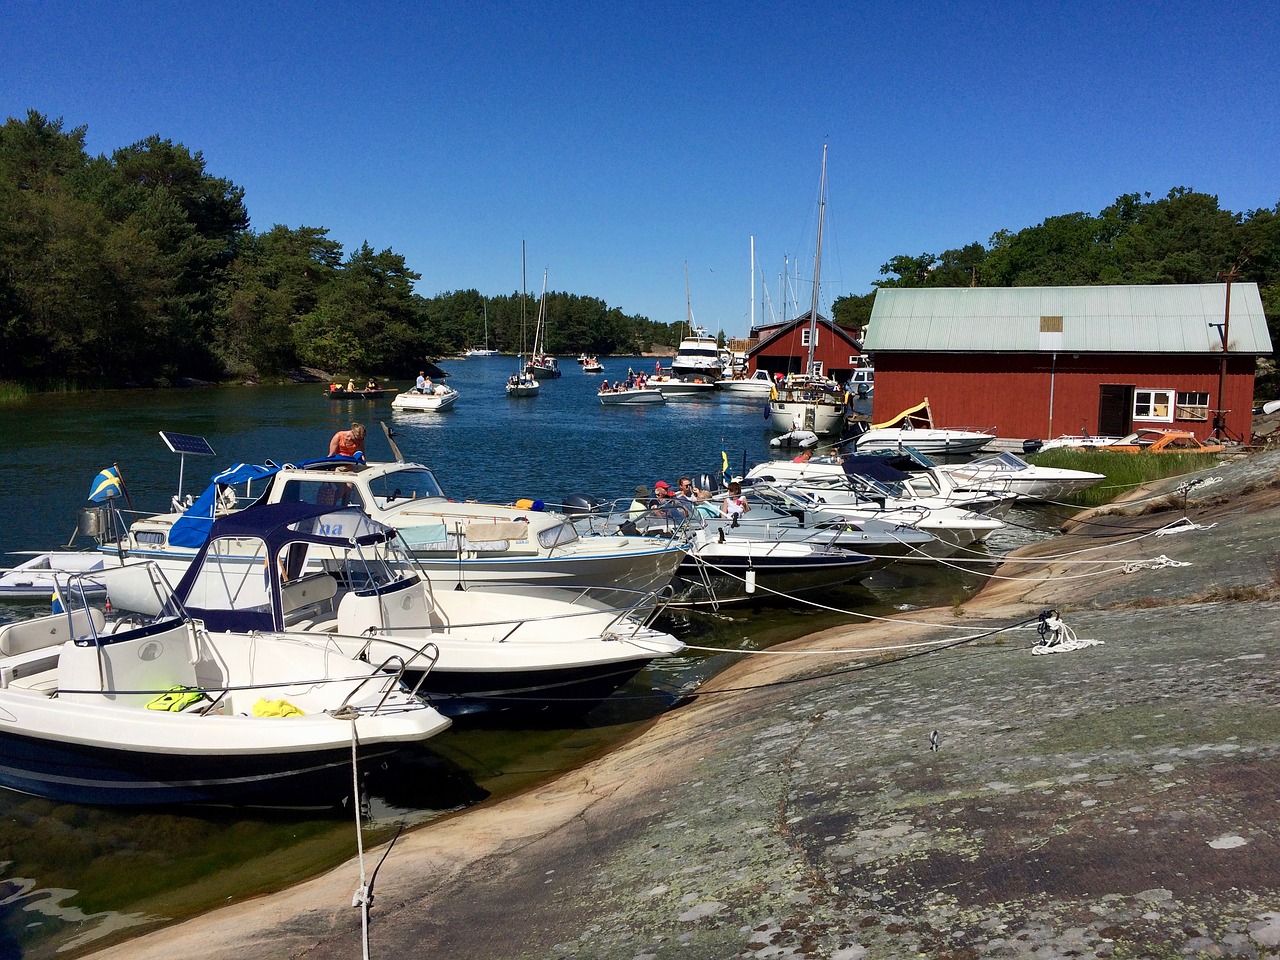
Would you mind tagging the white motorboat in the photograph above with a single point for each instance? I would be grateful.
(633, 396)
(592, 365)
(673, 386)
(862, 382)
(1007, 472)
(170, 712)
(1083, 441)
(914, 428)
(759, 384)
(698, 355)
(35, 578)
(455, 542)
(485, 648)
(441, 397)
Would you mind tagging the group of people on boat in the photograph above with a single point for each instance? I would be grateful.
(685, 499)
(424, 385)
(634, 381)
(370, 384)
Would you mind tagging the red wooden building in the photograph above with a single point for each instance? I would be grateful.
(1041, 362)
(784, 348)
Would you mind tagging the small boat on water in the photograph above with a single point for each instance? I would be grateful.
(673, 386)
(36, 577)
(165, 711)
(1008, 472)
(914, 428)
(440, 397)
(759, 384)
(592, 365)
(634, 396)
(338, 392)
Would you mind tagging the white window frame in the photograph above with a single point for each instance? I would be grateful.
(1186, 410)
(1153, 404)
(804, 337)
(817, 368)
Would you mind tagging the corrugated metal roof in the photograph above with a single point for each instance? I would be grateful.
(1112, 319)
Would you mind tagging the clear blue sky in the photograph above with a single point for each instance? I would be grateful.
(620, 141)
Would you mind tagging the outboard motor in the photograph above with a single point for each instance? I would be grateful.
(580, 504)
(1031, 446)
(708, 481)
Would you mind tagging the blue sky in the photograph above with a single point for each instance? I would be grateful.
(620, 141)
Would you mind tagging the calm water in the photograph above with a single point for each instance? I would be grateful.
(69, 876)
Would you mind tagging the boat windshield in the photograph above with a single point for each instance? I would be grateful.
(411, 483)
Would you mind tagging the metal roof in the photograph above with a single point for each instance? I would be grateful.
(1182, 318)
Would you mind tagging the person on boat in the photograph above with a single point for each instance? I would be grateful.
(735, 504)
(688, 491)
(348, 442)
(439, 389)
(804, 457)
(372, 384)
(641, 502)
(351, 385)
(421, 383)
(604, 386)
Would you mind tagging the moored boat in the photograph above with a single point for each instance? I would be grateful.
(759, 384)
(914, 428)
(633, 396)
(166, 711)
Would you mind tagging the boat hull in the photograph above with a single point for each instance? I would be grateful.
(823, 419)
(628, 398)
(928, 441)
(424, 402)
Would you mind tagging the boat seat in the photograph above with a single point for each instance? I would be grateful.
(49, 632)
(41, 681)
(307, 597)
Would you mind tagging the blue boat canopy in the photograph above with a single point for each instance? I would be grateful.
(192, 528)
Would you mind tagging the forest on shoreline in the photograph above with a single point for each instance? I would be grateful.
(140, 268)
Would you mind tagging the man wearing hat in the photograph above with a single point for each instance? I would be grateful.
(641, 502)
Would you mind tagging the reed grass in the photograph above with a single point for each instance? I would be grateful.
(1123, 471)
(11, 392)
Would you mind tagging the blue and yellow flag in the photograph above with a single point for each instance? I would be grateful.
(724, 466)
(106, 485)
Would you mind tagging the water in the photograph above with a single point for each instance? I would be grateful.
(72, 875)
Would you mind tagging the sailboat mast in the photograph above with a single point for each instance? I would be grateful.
(817, 260)
(688, 303)
(751, 322)
(524, 300)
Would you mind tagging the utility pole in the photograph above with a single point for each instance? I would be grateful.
(1224, 334)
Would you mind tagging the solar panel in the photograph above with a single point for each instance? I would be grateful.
(185, 443)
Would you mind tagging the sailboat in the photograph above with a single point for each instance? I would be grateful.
(521, 383)
(486, 352)
(541, 364)
(806, 405)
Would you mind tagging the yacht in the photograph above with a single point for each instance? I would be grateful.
(698, 356)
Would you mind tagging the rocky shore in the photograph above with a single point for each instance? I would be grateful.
(920, 787)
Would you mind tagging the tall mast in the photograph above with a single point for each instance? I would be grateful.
(751, 321)
(524, 299)
(817, 260)
(688, 303)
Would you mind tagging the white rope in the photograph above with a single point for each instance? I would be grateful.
(1185, 525)
(1057, 637)
(363, 899)
(1157, 563)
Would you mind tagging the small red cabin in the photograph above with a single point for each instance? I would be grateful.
(784, 348)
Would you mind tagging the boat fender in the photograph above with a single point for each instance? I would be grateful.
(751, 580)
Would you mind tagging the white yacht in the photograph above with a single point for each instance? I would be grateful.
(698, 356)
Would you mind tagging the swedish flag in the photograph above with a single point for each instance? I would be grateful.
(106, 485)
(724, 467)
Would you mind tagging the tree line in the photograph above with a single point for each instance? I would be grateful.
(1183, 237)
(141, 268)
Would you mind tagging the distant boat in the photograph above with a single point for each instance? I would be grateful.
(759, 384)
(486, 352)
(914, 428)
(591, 365)
(699, 354)
(522, 383)
(542, 365)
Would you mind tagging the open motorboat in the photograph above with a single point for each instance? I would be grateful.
(1082, 441)
(167, 711)
(292, 569)
(914, 428)
(1009, 473)
(759, 384)
(439, 397)
(631, 396)
(592, 365)
(36, 577)
(456, 542)
(674, 386)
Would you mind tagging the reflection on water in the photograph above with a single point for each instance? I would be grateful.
(74, 876)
